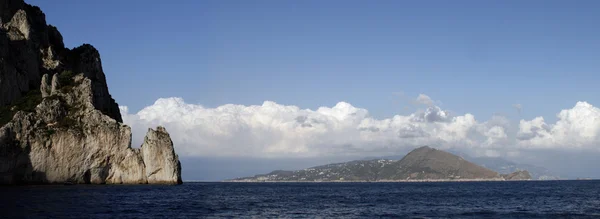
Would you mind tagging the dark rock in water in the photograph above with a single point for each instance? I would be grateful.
(58, 122)
(422, 164)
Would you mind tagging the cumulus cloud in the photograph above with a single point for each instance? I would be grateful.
(432, 114)
(275, 130)
(578, 127)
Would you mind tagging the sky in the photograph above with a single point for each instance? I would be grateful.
(263, 82)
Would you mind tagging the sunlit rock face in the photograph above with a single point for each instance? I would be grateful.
(161, 162)
(58, 122)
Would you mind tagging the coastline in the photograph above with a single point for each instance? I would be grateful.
(379, 181)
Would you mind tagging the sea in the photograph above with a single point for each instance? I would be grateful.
(515, 199)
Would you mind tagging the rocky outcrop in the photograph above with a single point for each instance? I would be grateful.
(86, 59)
(45, 87)
(30, 48)
(518, 175)
(66, 139)
(162, 164)
(58, 122)
(54, 86)
(24, 34)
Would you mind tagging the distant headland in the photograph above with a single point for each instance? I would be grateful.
(424, 164)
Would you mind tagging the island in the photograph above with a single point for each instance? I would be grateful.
(424, 164)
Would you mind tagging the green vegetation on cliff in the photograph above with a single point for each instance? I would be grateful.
(26, 103)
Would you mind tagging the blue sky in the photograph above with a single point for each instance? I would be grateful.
(197, 67)
(477, 57)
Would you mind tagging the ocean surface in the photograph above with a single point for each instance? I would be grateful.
(531, 199)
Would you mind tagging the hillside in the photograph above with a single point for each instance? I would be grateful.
(430, 163)
(422, 164)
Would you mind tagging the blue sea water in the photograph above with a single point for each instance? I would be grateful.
(530, 199)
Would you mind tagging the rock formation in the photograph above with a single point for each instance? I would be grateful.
(45, 88)
(24, 34)
(162, 164)
(58, 122)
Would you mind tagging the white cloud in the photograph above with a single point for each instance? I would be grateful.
(578, 127)
(274, 130)
(432, 114)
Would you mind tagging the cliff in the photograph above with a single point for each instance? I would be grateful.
(422, 164)
(58, 121)
(29, 48)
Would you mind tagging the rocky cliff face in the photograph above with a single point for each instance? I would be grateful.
(29, 48)
(58, 122)
(161, 162)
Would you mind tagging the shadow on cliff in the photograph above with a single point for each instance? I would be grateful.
(22, 55)
(15, 164)
(21, 64)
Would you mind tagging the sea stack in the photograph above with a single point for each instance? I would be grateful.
(58, 121)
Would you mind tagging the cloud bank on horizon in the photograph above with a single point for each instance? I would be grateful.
(275, 130)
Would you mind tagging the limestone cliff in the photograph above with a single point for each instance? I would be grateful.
(29, 48)
(58, 122)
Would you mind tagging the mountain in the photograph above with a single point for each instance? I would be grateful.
(58, 121)
(422, 164)
(499, 165)
(430, 163)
